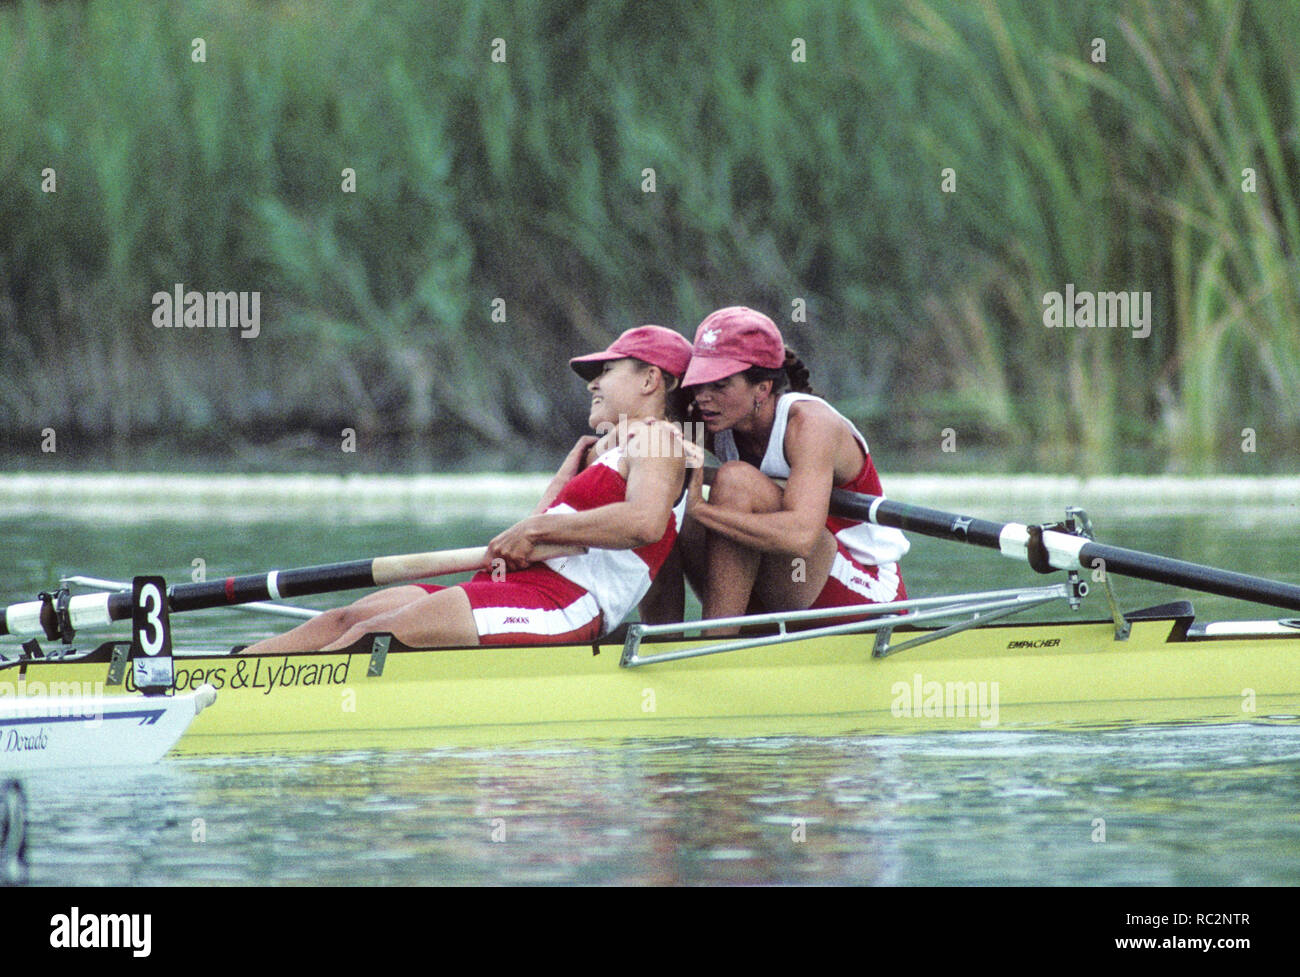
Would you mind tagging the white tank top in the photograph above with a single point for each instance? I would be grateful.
(869, 544)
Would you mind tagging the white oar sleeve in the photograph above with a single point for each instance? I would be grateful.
(1062, 548)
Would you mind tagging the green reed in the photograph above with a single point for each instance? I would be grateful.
(776, 180)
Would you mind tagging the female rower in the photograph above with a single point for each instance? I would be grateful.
(620, 495)
(755, 542)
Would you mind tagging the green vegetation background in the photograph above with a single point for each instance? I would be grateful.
(776, 180)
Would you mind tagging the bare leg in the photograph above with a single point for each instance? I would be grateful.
(738, 577)
(441, 620)
(732, 568)
(787, 583)
(328, 627)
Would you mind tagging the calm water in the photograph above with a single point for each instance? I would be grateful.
(1180, 807)
(1157, 806)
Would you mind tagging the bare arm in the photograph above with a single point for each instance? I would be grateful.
(652, 482)
(812, 439)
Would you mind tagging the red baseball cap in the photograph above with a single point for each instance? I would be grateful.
(664, 348)
(731, 340)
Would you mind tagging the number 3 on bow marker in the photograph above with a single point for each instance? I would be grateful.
(151, 635)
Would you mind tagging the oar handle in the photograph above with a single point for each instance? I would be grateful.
(417, 566)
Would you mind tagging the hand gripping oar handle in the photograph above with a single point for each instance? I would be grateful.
(99, 610)
(1064, 550)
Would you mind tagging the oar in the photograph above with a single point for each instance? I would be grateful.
(256, 607)
(100, 610)
(1063, 551)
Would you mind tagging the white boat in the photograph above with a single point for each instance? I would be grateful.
(92, 730)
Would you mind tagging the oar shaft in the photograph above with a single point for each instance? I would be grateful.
(916, 519)
(382, 571)
(276, 585)
(100, 610)
(1064, 551)
(256, 607)
(1193, 576)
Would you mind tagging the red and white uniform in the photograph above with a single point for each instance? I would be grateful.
(865, 569)
(618, 579)
(573, 598)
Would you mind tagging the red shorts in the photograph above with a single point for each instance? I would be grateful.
(851, 582)
(533, 606)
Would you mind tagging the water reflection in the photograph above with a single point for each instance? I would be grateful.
(1191, 805)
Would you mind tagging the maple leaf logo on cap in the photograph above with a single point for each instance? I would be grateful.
(731, 340)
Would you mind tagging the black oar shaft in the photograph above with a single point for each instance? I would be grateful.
(1193, 576)
(1124, 562)
(99, 610)
(917, 519)
(300, 582)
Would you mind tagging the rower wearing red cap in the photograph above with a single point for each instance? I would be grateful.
(756, 545)
(621, 496)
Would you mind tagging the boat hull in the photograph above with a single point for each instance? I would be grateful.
(1000, 677)
(91, 730)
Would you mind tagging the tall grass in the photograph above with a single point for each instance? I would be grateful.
(776, 180)
(1128, 174)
